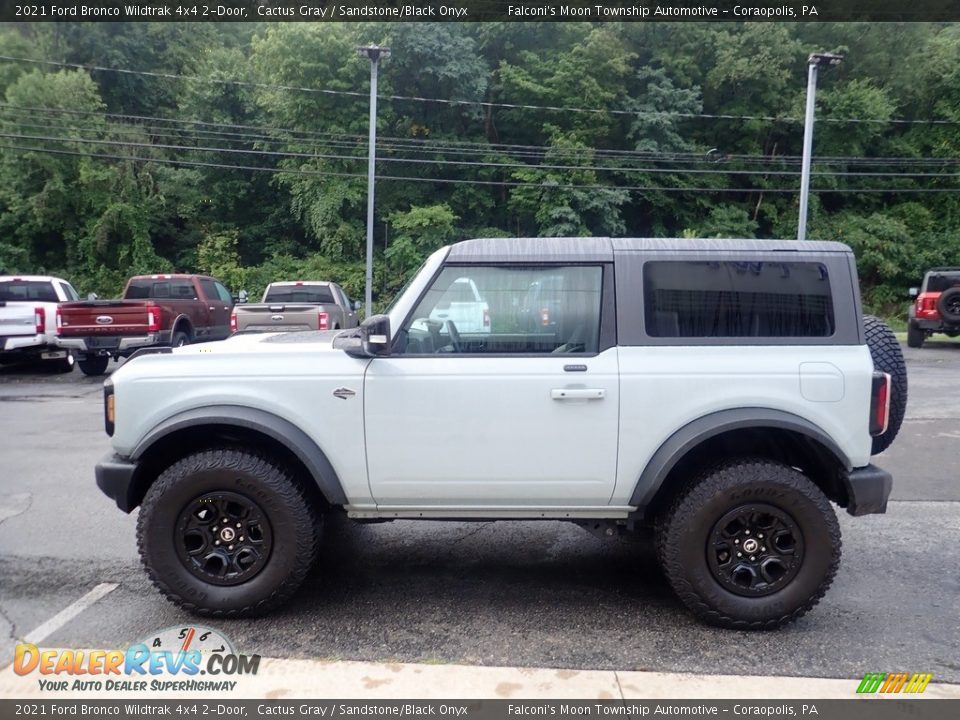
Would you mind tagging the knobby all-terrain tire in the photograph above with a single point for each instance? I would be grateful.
(294, 524)
(915, 336)
(93, 364)
(887, 357)
(684, 529)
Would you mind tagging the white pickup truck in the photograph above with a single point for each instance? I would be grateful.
(28, 316)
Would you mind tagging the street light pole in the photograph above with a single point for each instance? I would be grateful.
(813, 62)
(374, 54)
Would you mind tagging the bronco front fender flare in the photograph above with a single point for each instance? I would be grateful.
(691, 435)
(261, 421)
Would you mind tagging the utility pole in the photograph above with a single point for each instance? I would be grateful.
(813, 63)
(374, 54)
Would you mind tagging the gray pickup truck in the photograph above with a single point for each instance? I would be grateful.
(297, 305)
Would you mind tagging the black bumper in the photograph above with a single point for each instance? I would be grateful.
(940, 326)
(868, 489)
(115, 478)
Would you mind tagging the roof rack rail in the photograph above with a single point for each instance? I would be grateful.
(944, 269)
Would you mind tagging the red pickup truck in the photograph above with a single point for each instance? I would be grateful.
(155, 310)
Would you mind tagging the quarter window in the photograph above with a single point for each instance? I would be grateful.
(507, 310)
(737, 299)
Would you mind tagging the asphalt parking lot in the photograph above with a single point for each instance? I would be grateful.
(520, 594)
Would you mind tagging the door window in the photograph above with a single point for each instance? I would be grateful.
(507, 310)
(209, 289)
(223, 293)
(68, 292)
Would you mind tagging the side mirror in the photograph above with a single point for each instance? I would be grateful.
(356, 305)
(242, 296)
(371, 339)
(92, 296)
(913, 292)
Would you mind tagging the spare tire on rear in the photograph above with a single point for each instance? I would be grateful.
(948, 305)
(887, 357)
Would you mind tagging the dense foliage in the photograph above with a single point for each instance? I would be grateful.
(240, 150)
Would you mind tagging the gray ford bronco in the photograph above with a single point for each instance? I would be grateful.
(724, 393)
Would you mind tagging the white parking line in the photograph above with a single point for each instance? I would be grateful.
(46, 629)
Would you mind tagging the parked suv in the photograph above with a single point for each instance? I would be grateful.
(722, 393)
(936, 306)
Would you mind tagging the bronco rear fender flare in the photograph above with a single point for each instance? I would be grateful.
(693, 434)
(276, 428)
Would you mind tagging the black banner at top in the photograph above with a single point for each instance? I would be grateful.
(479, 10)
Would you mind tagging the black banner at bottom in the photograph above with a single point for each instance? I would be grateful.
(862, 708)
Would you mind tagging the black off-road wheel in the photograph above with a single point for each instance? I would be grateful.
(227, 533)
(179, 339)
(948, 305)
(93, 364)
(750, 545)
(915, 336)
(887, 357)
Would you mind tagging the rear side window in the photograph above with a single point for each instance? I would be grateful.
(319, 294)
(693, 299)
(27, 290)
(149, 289)
(942, 283)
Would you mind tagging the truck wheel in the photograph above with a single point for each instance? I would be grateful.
(887, 357)
(93, 364)
(179, 339)
(915, 336)
(751, 545)
(62, 365)
(227, 533)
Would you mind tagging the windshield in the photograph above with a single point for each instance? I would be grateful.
(405, 287)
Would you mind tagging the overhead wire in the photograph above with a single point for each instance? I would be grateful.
(539, 185)
(468, 163)
(460, 147)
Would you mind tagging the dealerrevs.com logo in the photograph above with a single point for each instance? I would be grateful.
(178, 659)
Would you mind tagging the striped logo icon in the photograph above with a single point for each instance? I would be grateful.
(897, 682)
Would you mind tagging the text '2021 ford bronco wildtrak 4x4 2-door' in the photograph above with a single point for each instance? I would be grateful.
(722, 392)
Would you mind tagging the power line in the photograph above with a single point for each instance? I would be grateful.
(478, 103)
(403, 178)
(468, 163)
(514, 150)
